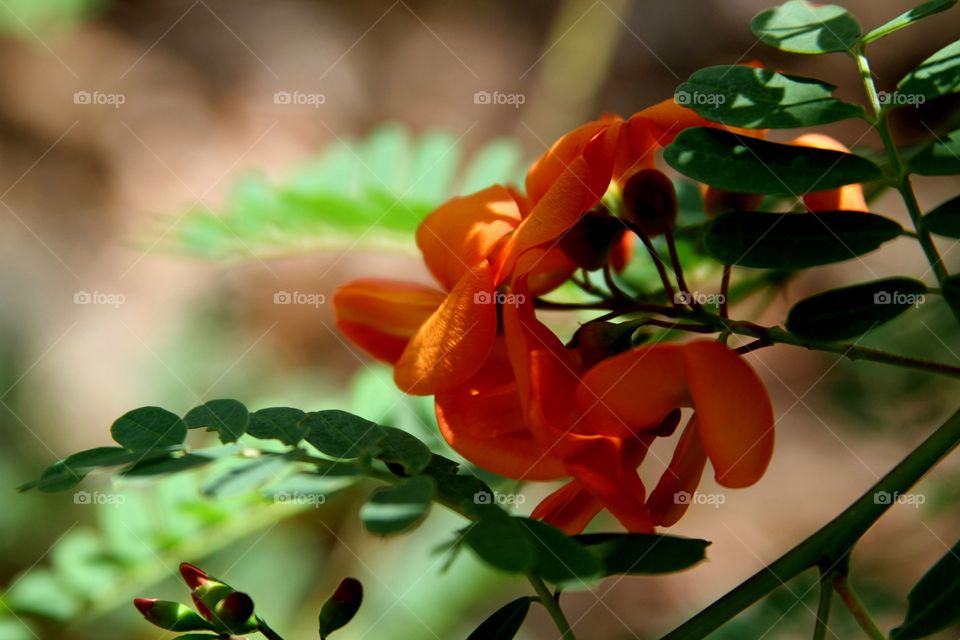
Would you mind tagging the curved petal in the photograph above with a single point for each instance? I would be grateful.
(570, 508)
(680, 478)
(381, 316)
(488, 429)
(847, 198)
(455, 341)
(465, 231)
(599, 465)
(564, 184)
(633, 391)
(734, 414)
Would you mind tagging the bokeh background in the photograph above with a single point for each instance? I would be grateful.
(128, 126)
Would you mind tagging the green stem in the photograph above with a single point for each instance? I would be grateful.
(853, 603)
(901, 178)
(823, 607)
(267, 632)
(832, 542)
(546, 599)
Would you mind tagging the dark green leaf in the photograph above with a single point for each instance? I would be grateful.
(643, 553)
(747, 165)
(149, 428)
(932, 603)
(165, 466)
(560, 559)
(466, 491)
(848, 312)
(940, 158)
(802, 27)
(56, 477)
(742, 96)
(945, 219)
(908, 18)
(937, 76)
(504, 623)
(339, 434)
(951, 291)
(278, 423)
(502, 542)
(399, 507)
(229, 418)
(796, 240)
(400, 448)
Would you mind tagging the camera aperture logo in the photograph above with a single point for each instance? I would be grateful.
(885, 497)
(688, 98)
(99, 298)
(514, 100)
(300, 499)
(499, 297)
(299, 298)
(713, 499)
(299, 99)
(95, 498)
(500, 499)
(698, 297)
(896, 297)
(897, 99)
(99, 99)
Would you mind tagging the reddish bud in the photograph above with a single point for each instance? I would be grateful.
(235, 613)
(144, 605)
(596, 341)
(650, 201)
(589, 242)
(193, 576)
(340, 608)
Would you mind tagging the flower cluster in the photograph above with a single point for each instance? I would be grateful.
(510, 396)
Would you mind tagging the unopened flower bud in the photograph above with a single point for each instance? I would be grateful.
(589, 241)
(718, 201)
(171, 616)
(234, 613)
(193, 576)
(340, 608)
(596, 341)
(650, 201)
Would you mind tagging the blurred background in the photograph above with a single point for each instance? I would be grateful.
(184, 182)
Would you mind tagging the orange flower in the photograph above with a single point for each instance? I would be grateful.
(575, 173)
(435, 339)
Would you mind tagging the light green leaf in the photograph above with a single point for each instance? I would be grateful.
(803, 27)
(907, 18)
(937, 76)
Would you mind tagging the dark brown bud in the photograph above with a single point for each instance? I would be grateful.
(650, 201)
